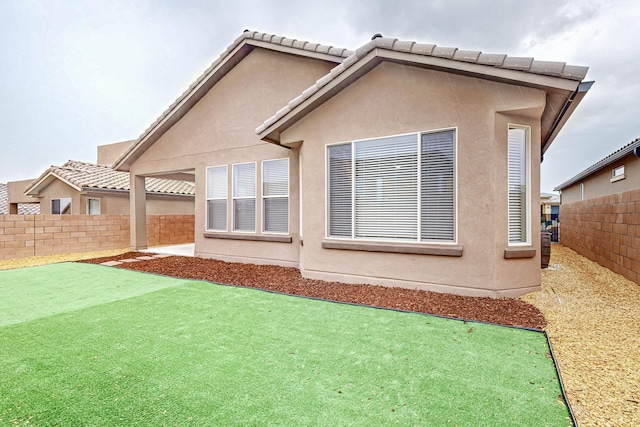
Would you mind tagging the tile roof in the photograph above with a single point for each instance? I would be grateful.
(23, 208)
(248, 37)
(497, 61)
(611, 158)
(83, 176)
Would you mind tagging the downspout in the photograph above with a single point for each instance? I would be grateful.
(582, 87)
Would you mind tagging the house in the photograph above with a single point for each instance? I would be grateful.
(12, 201)
(601, 211)
(399, 164)
(95, 188)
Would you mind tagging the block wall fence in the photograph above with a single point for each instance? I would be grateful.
(39, 235)
(605, 230)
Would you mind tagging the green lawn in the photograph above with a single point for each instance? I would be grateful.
(91, 345)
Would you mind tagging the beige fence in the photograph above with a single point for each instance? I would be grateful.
(606, 230)
(36, 235)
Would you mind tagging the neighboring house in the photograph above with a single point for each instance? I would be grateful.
(12, 201)
(400, 164)
(601, 211)
(88, 188)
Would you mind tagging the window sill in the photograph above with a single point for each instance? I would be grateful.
(618, 178)
(252, 237)
(521, 252)
(454, 251)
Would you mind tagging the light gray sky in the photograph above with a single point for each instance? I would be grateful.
(76, 74)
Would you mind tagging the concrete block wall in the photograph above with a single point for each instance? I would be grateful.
(170, 229)
(605, 230)
(39, 235)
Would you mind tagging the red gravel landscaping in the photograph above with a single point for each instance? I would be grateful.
(504, 311)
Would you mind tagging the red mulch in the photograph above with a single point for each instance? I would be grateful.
(504, 311)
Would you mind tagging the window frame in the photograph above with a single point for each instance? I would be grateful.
(617, 174)
(264, 197)
(88, 202)
(226, 198)
(418, 241)
(60, 199)
(527, 197)
(581, 192)
(254, 197)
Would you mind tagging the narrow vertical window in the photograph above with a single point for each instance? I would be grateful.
(93, 206)
(340, 190)
(581, 191)
(244, 197)
(217, 198)
(275, 195)
(518, 191)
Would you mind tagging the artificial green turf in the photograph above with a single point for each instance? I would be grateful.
(195, 353)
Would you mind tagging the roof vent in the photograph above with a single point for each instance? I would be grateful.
(376, 36)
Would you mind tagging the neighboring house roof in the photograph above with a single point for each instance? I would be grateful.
(239, 49)
(611, 158)
(561, 81)
(23, 208)
(90, 176)
(549, 198)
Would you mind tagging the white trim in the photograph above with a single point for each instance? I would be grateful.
(418, 136)
(263, 197)
(207, 198)
(528, 206)
(581, 190)
(234, 198)
(617, 174)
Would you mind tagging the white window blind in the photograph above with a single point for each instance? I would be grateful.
(244, 197)
(517, 186)
(275, 194)
(437, 170)
(340, 190)
(395, 188)
(217, 184)
(386, 188)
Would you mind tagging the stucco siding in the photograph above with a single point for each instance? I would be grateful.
(397, 99)
(219, 130)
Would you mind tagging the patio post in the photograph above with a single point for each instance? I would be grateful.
(138, 212)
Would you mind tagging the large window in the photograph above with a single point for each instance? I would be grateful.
(518, 218)
(61, 206)
(244, 197)
(399, 188)
(275, 195)
(217, 198)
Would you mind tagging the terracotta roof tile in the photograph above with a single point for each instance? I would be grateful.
(246, 35)
(528, 65)
(90, 175)
(23, 208)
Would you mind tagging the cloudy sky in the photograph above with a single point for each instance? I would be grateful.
(76, 74)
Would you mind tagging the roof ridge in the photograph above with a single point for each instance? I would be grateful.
(302, 45)
(524, 64)
(605, 161)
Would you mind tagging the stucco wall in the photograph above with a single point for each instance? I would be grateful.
(219, 130)
(606, 230)
(599, 184)
(395, 99)
(38, 235)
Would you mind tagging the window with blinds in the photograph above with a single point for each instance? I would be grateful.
(517, 181)
(217, 185)
(399, 188)
(244, 197)
(275, 195)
